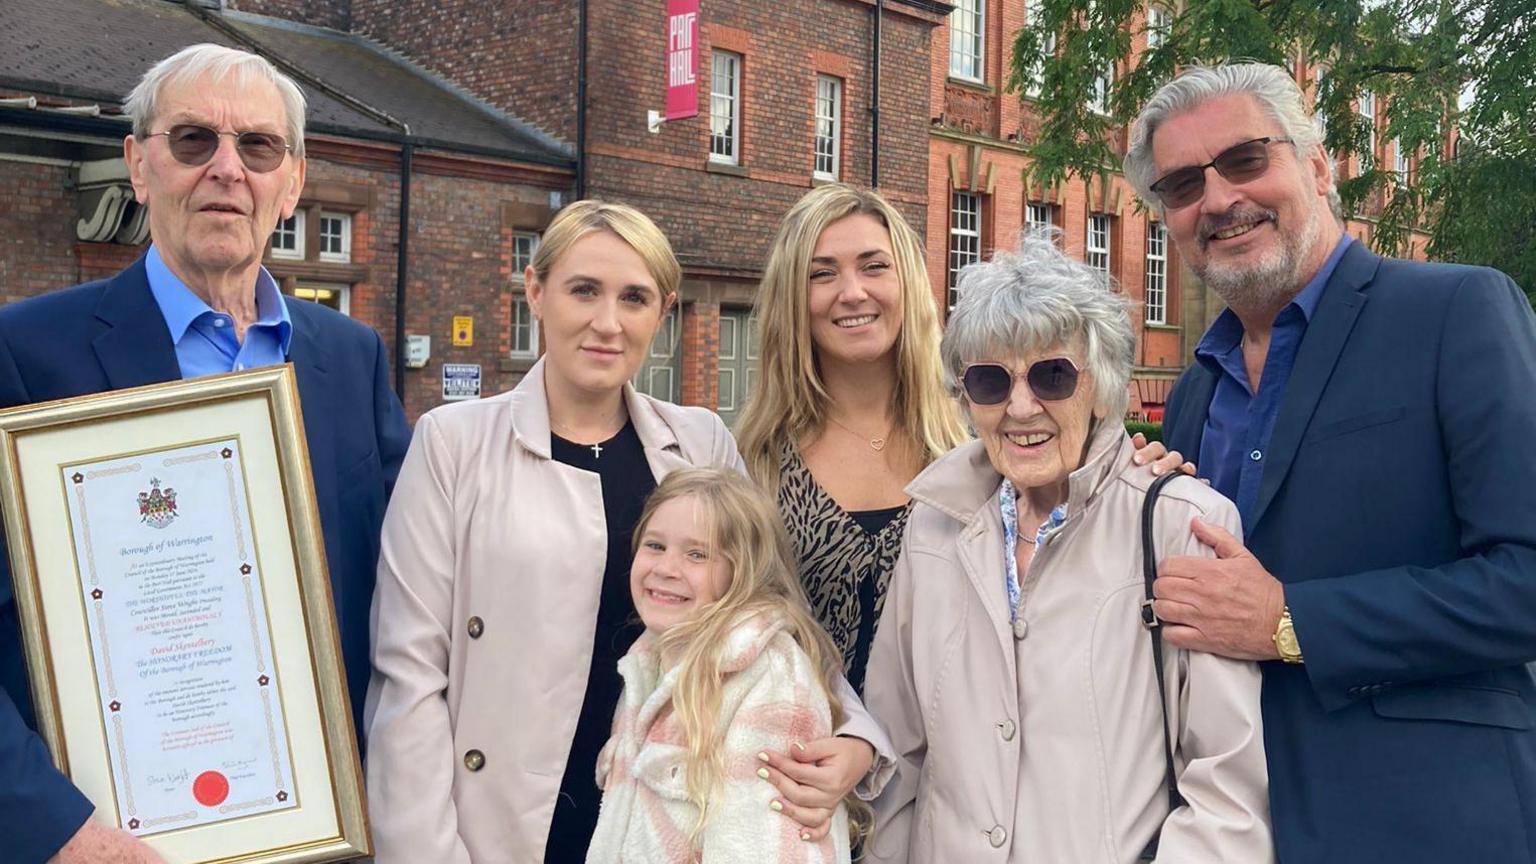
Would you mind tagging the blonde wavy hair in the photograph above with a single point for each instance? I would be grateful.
(790, 398)
(745, 530)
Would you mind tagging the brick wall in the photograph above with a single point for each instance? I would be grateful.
(37, 229)
(519, 57)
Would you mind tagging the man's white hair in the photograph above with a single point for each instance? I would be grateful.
(219, 63)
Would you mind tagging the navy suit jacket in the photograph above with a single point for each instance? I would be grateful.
(109, 335)
(1398, 507)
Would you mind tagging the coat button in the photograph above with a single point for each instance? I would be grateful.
(474, 760)
(997, 837)
(1008, 729)
(476, 627)
(1020, 629)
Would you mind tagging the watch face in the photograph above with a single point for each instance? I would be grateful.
(1285, 640)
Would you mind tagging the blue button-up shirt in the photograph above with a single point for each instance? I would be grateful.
(205, 340)
(1235, 443)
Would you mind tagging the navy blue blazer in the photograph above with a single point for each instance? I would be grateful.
(110, 334)
(1398, 507)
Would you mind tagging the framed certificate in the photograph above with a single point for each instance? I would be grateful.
(181, 643)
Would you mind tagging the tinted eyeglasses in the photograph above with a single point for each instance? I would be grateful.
(1239, 163)
(194, 145)
(991, 383)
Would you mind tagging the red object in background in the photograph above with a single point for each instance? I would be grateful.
(210, 788)
(1154, 413)
(682, 59)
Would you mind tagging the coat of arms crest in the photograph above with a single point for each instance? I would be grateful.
(157, 509)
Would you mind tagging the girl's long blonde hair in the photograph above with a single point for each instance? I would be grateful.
(745, 530)
(790, 398)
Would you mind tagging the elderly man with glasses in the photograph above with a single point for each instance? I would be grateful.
(217, 155)
(1373, 420)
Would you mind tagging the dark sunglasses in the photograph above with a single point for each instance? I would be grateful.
(1239, 163)
(991, 383)
(195, 145)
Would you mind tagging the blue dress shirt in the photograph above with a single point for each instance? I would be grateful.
(204, 339)
(1235, 442)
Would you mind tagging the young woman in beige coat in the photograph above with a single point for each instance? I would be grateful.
(503, 601)
(1011, 667)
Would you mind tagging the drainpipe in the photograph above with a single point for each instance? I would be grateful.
(581, 100)
(874, 109)
(403, 265)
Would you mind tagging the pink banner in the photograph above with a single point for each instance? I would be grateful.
(682, 59)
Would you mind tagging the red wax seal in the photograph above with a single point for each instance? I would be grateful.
(210, 788)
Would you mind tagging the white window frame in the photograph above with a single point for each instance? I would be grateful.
(1037, 75)
(967, 40)
(1098, 100)
(829, 127)
(725, 107)
(964, 237)
(1157, 273)
(296, 253)
(1097, 244)
(1367, 112)
(1401, 161)
(1159, 23)
(522, 313)
(343, 291)
(344, 256)
(1038, 217)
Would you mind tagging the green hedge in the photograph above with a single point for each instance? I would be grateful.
(1153, 431)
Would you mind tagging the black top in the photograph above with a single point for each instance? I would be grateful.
(874, 521)
(627, 482)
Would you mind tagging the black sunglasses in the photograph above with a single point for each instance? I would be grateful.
(1239, 163)
(195, 145)
(991, 383)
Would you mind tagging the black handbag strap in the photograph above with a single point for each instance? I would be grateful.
(1155, 629)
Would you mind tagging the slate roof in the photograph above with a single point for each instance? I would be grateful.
(96, 50)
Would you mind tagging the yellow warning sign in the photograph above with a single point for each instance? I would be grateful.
(463, 331)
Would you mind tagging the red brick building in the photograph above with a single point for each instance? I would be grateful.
(770, 77)
(979, 199)
(474, 172)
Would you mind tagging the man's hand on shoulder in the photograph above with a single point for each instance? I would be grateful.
(95, 843)
(1227, 605)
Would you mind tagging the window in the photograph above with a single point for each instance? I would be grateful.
(525, 330)
(1159, 23)
(1401, 161)
(1037, 76)
(337, 297)
(725, 109)
(964, 237)
(1098, 243)
(336, 237)
(1037, 218)
(658, 375)
(829, 125)
(965, 35)
(288, 239)
(1368, 117)
(1157, 273)
(1099, 99)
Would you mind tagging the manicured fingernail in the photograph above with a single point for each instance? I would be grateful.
(799, 746)
(1137, 459)
(762, 757)
(806, 836)
(763, 773)
(775, 806)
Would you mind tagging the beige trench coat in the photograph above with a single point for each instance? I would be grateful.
(1041, 743)
(490, 572)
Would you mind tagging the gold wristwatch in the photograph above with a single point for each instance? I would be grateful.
(1285, 638)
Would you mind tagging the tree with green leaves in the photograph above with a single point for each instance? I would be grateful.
(1436, 65)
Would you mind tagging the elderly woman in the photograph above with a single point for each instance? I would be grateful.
(1011, 666)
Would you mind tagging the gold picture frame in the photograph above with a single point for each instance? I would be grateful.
(170, 580)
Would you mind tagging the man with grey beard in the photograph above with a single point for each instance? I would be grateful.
(1373, 419)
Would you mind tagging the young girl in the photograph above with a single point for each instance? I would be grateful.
(731, 666)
